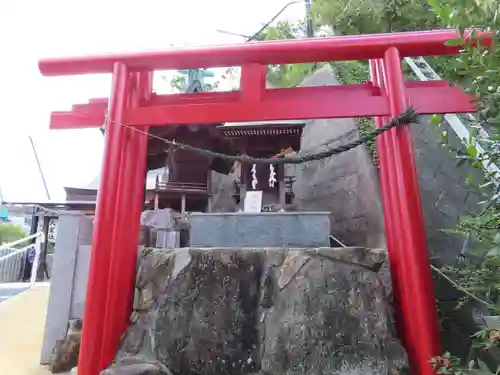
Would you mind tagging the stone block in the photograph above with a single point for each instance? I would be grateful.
(267, 229)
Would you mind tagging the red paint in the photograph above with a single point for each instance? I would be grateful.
(273, 104)
(352, 47)
(97, 285)
(388, 182)
(253, 83)
(112, 269)
(411, 259)
(125, 236)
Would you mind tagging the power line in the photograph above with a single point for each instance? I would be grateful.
(268, 23)
(310, 30)
(231, 33)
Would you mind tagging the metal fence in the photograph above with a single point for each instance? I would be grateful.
(13, 258)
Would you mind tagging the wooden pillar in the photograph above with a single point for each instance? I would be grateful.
(42, 271)
(281, 185)
(243, 177)
(183, 204)
(209, 190)
(243, 183)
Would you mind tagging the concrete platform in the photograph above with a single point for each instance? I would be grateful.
(22, 322)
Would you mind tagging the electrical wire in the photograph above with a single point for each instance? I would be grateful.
(268, 23)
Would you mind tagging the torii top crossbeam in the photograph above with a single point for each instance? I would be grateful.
(254, 101)
(132, 105)
(354, 47)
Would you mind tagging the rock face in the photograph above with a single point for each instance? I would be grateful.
(65, 354)
(275, 311)
(346, 184)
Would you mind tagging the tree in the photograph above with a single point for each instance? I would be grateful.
(476, 69)
(286, 75)
(10, 232)
(373, 16)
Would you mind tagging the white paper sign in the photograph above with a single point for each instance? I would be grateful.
(253, 201)
(52, 233)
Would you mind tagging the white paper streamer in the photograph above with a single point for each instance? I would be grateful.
(272, 176)
(254, 177)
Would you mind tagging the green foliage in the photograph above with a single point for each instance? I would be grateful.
(477, 69)
(10, 232)
(349, 72)
(178, 82)
(287, 75)
(373, 16)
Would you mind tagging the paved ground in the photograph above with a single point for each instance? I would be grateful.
(22, 322)
(8, 290)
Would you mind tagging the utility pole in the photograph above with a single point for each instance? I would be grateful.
(39, 167)
(310, 30)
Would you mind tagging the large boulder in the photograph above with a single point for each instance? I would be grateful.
(330, 315)
(275, 311)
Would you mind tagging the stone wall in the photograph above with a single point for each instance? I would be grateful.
(445, 198)
(443, 188)
(68, 278)
(273, 311)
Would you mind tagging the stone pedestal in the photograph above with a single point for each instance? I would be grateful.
(238, 311)
(265, 229)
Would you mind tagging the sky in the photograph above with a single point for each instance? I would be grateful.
(32, 29)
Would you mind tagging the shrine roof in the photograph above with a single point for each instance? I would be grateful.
(262, 128)
(266, 123)
(94, 184)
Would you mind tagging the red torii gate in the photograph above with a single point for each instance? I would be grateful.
(131, 102)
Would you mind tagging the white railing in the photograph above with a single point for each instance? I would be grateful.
(12, 260)
(425, 72)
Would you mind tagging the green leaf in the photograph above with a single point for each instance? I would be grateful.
(436, 119)
(433, 3)
(471, 151)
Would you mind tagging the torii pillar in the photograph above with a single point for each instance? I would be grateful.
(131, 105)
(116, 224)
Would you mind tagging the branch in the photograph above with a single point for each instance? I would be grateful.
(461, 288)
